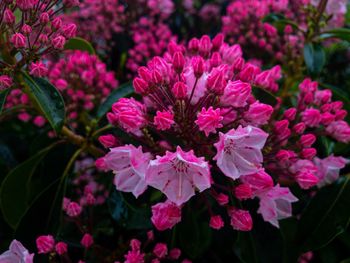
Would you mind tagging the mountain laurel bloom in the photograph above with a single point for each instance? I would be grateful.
(239, 151)
(165, 215)
(328, 169)
(45, 244)
(17, 253)
(178, 175)
(129, 164)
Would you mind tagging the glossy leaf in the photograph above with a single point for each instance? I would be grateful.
(116, 206)
(340, 33)
(122, 91)
(326, 217)
(315, 58)
(48, 99)
(77, 43)
(14, 191)
(3, 95)
(245, 248)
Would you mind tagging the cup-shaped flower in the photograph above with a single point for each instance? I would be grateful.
(129, 165)
(239, 151)
(16, 253)
(165, 215)
(328, 169)
(178, 174)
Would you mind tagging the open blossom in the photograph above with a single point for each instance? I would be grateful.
(275, 204)
(239, 151)
(209, 120)
(340, 130)
(165, 215)
(258, 182)
(328, 169)
(178, 174)
(129, 165)
(305, 172)
(17, 253)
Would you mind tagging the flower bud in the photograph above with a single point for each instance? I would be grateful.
(9, 17)
(243, 191)
(198, 66)
(160, 250)
(140, 85)
(306, 179)
(45, 244)
(216, 222)
(58, 42)
(5, 82)
(179, 90)
(18, 40)
(178, 62)
(299, 128)
(290, 114)
(307, 140)
(108, 141)
(44, 18)
(308, 153)
(61, 248)
(87, 241)
(73, 209)
(240, 219)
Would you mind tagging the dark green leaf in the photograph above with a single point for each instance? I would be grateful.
(78, 43)
(341, 33)
(14, 191)
(124, 90)
(288, 229)
(116, 206)
(273, 17)
(264, 96)
(315, 58)
(48, 99)
(3, 95)
(245, 248)
(326, 217)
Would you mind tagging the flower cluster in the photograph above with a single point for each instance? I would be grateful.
(150, 39)
(39, 31)
(243, 23)
(99, 20)
(189, 95)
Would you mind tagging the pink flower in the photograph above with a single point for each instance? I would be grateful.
(18, 40)
(209, 120)
(39, 121)
(174, 254)
(160, 250)
(236, 94)
(58, 42)
(339, 130)
(179, 90)
(73, 209)
(5, 82)
(61, 248)
(165, 215)
(328, 169)
(258, 182)
(275, 204)
(304, 171)
(129, 165)
(130, 114)
(17, 253)
(134, 257)
(108, 140)
(38, 69)
(178, 174)
(216, 222)
(311, 117)
(258, 113)
(87, 240)
(240, 219)
(243, 191)
(163, 120)
(45, 244)
(239, 151)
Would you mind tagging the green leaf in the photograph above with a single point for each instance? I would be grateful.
(14, 190)
(124, 90)
(3, 95)
(341, 33)
(77, 43)
(48, 99)
(288, 229)
(326, 217)
(264, 96)
(117, 206)
(315, 58)
(245, 248)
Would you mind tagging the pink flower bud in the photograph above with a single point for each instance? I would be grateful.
(258, 113)
(243, 191)
(216, 81)
(100, 164)
(108, 141)
(198, 66)
(215, 59)
(18, 40)
(285, 155)
(337, 105)
(178, 62)
(326, 107)
(144, 73)
(236, 94)
(193, 45)
(141, 86)
(221, 198)
(238, 65)
(45, 244)
(307, 140)
(311, 117)
(240, 219)
(204, 45)
(157, 77)
(308, 153)
(39, 121)
(340, 115)
(249, 73)
(306, 179)
(58, 42)
(135, 244)
(9, 17)
(150, 235)
(290, 114)
(340, 130)
(71, 3)
(280, 127)
(43, 39)
(56, 23)
(209, 120)
(5, 82)
(73, 209)
(299, 128)
(327, 118)
(25, 5)
(90, 199)
(165, 215)
(38, 69)
(61, 248)
(44, 18)
(179, 90)
(323, 96)
(160, 250)
(216, 222)
(258, 181)
(164, 120)
(87, 240)
(217, 41)
(69, 30)
(174, 254)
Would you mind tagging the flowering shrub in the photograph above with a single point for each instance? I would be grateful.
(174, 131)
